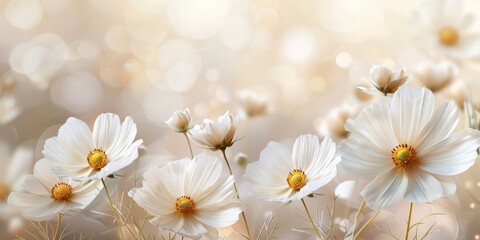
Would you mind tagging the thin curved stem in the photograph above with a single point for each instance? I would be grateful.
(55, 237)
(357, 215)
(311, 220)
(238, 196)
(189, 145)
(366, 224)
(409, 220)
(117, 219)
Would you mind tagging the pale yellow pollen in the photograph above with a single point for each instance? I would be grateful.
(448, 36)
(97, 159)
(61, 191)
(403, 155)
(184, 204)
(4, 191)
(296, 179)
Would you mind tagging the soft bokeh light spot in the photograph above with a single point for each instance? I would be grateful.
(78, 92)
(24, 14)
(212, 75)
(174, 67)
(343, 60)
(300, 45)
(198, 19)
(40, 59)
(181, 76)
(236, 33)
(117, 39)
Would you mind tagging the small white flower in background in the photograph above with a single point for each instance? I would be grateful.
(409, 148)
(79, 154)
(282, 176)
(385, 80)
(180, 121)
(444, 28)
(191, 198)
(14, 166)
(216, 135)
(43, 195)
(435, 76)
(253, 104)
(333, 124)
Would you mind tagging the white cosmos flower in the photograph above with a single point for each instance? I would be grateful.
(444, 28)
(189, 197)
(435, 76)
(216, 135)
(384, 80)
(44, 195)
(282, 176)
(408, 147)
(253, 105)
(79, 154)
(180, 121)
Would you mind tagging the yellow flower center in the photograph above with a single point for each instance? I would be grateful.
(97, 159)
(448, 36)
(403, 155)
(4, 191)
(296, 179)
(61, 191)
(184, 204)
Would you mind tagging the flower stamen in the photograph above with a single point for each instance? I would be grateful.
(448, 36)
(61, 191)
(296, 179)
(184, 204)
(403, 155)
(97, 159)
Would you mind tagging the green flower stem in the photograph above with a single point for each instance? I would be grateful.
(311, 220)
(117, 219)
(236, 191)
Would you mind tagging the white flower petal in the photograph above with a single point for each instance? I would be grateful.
(423, 187)
(453, 155)
(411, 110)
(386, 190)
(267, 177)
(440, 126)
(223, 215)
(379, 130)
(105, 130)
(152, 203)
(32, 185)
(358, 157)
(305, 151)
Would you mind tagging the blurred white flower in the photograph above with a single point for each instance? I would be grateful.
(14, 166)
(334, 123)
(408, 147)
(191, 198)
(384, 80)
(78, 154)
(180, 121)
(216, 135)
(9, 109)
(252, 104)
(435, 76)
(43, 195)
(282, 176)
(444, 28)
